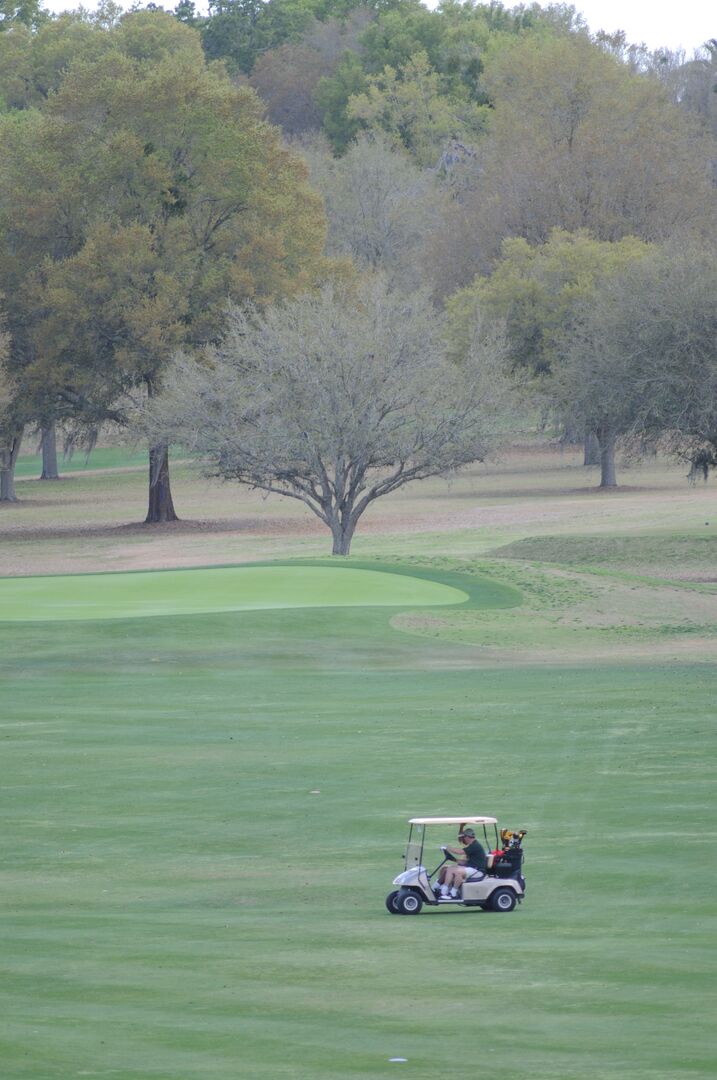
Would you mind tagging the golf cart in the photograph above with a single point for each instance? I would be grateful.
(499, 889)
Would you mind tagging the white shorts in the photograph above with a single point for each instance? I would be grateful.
(473, 875)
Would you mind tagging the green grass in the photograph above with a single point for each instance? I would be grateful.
(181, 592)
(107, 457)
(179, 904)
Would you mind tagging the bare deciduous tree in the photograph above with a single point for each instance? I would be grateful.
(336, 399)
(380, 206)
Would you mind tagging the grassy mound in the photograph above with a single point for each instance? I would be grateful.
(654, 554)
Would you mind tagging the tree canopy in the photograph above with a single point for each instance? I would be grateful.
(536, 291)
(505, 157)
(146, 192)
(379, 206)
(335, 399)
(641, 358)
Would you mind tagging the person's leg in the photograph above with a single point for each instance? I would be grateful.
(459, 876)
(447, 875)
(444, 874)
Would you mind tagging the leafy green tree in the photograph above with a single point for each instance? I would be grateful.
(409, 107)
(191, 195)
(641, 358)
(536, 290)
(225, 204)
(15, 13)
(186, 12)
(33, 62)
(50, 184)
(333, 95)
(388, 45)
(398, 34)
(238, 31)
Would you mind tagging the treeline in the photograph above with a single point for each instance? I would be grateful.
(548, 195)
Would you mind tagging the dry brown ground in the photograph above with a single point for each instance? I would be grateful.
(92, 521)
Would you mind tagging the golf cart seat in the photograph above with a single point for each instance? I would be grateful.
(508, 864)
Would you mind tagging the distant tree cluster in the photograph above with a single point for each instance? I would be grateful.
(335, 246)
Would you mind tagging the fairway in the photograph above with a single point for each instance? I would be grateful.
(203, 814)
(177, 592)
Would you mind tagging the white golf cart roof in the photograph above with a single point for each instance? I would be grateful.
(467, 819)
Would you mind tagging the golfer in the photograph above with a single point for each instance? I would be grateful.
(470, 865)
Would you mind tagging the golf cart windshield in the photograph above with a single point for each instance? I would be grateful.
(414, 847)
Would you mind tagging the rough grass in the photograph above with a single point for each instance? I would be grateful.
(691, 556)
(571, 615)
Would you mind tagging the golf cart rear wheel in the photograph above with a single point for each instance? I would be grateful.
(408, 902)
(503, 900)
(391, 902)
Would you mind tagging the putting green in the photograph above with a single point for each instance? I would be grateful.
(184, 592)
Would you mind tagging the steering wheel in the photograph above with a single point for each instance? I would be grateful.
(448, 854)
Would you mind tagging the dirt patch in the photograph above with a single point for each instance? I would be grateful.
(255, 526)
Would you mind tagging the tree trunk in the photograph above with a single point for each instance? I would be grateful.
(607, 459)
(49, 453)
(342, 533)
(570, 436)
(591, 449)
(8, 459)
(161, 507)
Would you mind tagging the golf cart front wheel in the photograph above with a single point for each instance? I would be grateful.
(503, 900)
(391, 902)
(408, 902)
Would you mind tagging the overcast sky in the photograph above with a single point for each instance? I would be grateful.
(676, 24)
